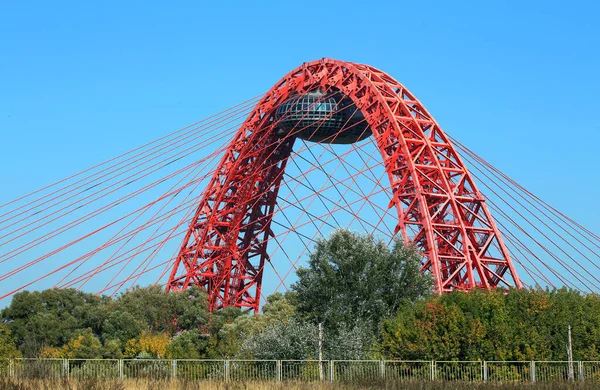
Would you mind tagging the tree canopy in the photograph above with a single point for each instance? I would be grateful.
(356, 279)
(495, 325)
(371, 299)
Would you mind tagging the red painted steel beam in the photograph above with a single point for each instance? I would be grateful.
(438, 205)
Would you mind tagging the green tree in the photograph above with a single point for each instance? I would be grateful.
(277, 310)
(8, 348)
(496, 325)
(297, 339)
(348, 343)
(355, 279)
(122, 326)
(52, 317)
(291, 340)
(189, 344)
(165, 312)
(218, 346)
(429, 330)
(112, 349)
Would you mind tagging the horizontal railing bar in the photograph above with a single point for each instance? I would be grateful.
(300, 370)
(297, 360)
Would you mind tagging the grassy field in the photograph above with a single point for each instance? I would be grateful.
(174, 385)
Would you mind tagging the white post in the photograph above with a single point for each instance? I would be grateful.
(226, 370)
(485, 371)
(331, 370)
(66, 368)
(532, 371)
(382, 369)
(174, 369)
(11, 368)
(581, 372)
(432, 370)
(570, 355)
(121, 369)
(279, 370)
(320, 351)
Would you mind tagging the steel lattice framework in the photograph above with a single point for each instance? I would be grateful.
(438, 205)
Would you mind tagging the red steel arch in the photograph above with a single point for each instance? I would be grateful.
(439, 207)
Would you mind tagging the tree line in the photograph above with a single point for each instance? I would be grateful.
(371, 299)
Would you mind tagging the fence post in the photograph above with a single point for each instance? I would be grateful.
(226, 370)
(279, 370)
(432, 370)
(485, 374)
(121, 369)
(532, 371)
(173, 369)
(382, 369)
(11, 368)
(580, 369)
(321, 371)
(331, 370)
(66, 369)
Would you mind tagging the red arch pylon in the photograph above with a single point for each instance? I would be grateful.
(439, 207)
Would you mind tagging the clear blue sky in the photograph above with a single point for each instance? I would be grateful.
(517, 81)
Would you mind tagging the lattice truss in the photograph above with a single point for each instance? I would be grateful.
(234, 205)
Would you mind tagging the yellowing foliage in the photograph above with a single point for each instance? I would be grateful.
(84, 346)
(154, 344)
(52, 353)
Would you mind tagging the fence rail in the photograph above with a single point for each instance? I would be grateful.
(301, 370)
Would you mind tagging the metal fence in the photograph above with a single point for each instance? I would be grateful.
(301, 370)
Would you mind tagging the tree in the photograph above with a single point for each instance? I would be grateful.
(355, 279)
(299, 340)
(8, 348)
(122, 326)
(52, 353)
(217, 346)
(277, 310)
(112, 349)
(348, 343)
(495, 325)
(188, 344)
(151, 344)
(428, 330)
(84, 346)
(52, 317)
(165, 312)
(46, 321)
(294, 340)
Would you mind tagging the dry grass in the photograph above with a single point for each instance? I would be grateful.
(179, 385)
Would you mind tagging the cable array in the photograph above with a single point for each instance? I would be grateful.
(120, 223)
